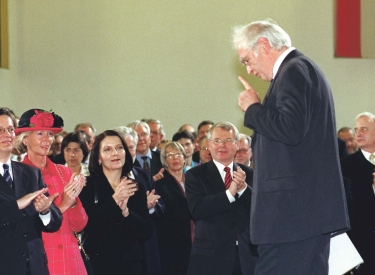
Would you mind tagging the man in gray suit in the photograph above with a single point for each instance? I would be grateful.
(298, 194)
(25, 211)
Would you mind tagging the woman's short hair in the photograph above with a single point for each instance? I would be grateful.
(19, 145)
(95, 168)
(76, 137)
(173, 144)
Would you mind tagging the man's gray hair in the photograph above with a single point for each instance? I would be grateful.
(127, 131)
(368, 114)
(246, 37)
(136, 123)
(225, 126)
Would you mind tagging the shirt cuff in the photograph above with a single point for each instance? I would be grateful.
(152, 210)
(45, 218)
(241, 192)
(230, 197)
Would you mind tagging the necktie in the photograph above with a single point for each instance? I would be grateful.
(6, 175)
(228, 177)
(145, 163)
(372, 158)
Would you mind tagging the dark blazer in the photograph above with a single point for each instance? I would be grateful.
(113, 241)
(174, 229)
(151, 244)
(21, 230)
(218, 223)
(359, 171)
(298, 190)
(154, 161)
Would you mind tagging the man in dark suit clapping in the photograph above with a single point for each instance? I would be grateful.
(219, 195)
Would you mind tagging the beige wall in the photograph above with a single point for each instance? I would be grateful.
(111, 62)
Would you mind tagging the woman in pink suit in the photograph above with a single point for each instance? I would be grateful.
(35, 132)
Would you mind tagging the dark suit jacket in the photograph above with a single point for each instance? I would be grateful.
(21, 230)
(113, 241)
(298, 189)
(359, 171)
(151, 244)
(174, 229)
(218, 223)
(154, 161)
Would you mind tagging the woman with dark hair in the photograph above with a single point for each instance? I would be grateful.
(35, 134)
(175, 229)
(75, 150)
(117, 209)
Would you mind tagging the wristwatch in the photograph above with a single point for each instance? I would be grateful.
(45, 212)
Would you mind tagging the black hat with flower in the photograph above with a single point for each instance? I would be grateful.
(38, 119)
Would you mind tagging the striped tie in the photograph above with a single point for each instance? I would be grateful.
(6, 175)
(228, 177)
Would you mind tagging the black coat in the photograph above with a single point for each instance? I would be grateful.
(21, 230)
(113, 241)
(219, 223)
(298, 190)
(359, 171)
(174, 229)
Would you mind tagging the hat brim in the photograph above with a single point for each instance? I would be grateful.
(26, 129)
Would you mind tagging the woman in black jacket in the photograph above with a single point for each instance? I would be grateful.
(117, 209)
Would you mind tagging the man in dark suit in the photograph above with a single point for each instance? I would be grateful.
(298, 194)
(146, 158)
(359, 169)
(219, 202)
(25, 211)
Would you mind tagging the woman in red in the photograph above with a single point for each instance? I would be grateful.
(35, 132)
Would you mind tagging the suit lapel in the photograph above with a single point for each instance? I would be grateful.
(214, 178)
(20, 180)
(291, 55)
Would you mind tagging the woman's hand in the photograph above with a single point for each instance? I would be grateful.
(159, 175)
(152, 199)
(126, 188)
(71, 191)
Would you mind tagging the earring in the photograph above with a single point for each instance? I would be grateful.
(100, 163)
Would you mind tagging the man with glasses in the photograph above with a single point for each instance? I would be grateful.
(244, 152)
(157, 133)
(219, 195)
(299, 197)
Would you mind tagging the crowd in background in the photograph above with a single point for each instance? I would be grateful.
(158, 238)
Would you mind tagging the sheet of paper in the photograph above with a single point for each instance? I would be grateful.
(343, 255)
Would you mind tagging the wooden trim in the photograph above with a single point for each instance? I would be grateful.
(4, 35)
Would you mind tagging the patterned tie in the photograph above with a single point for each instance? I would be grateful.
(372, 158)
(6, 175)
(145, 163)
(228, 177)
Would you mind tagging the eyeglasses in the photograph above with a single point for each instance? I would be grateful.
(143, 135)
(9, 129)
(242, 151)
(243, 59)
(218, 141)
(245, 62)
(172, 155)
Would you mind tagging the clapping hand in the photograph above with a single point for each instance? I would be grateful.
(152, 199)
(71, 191)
